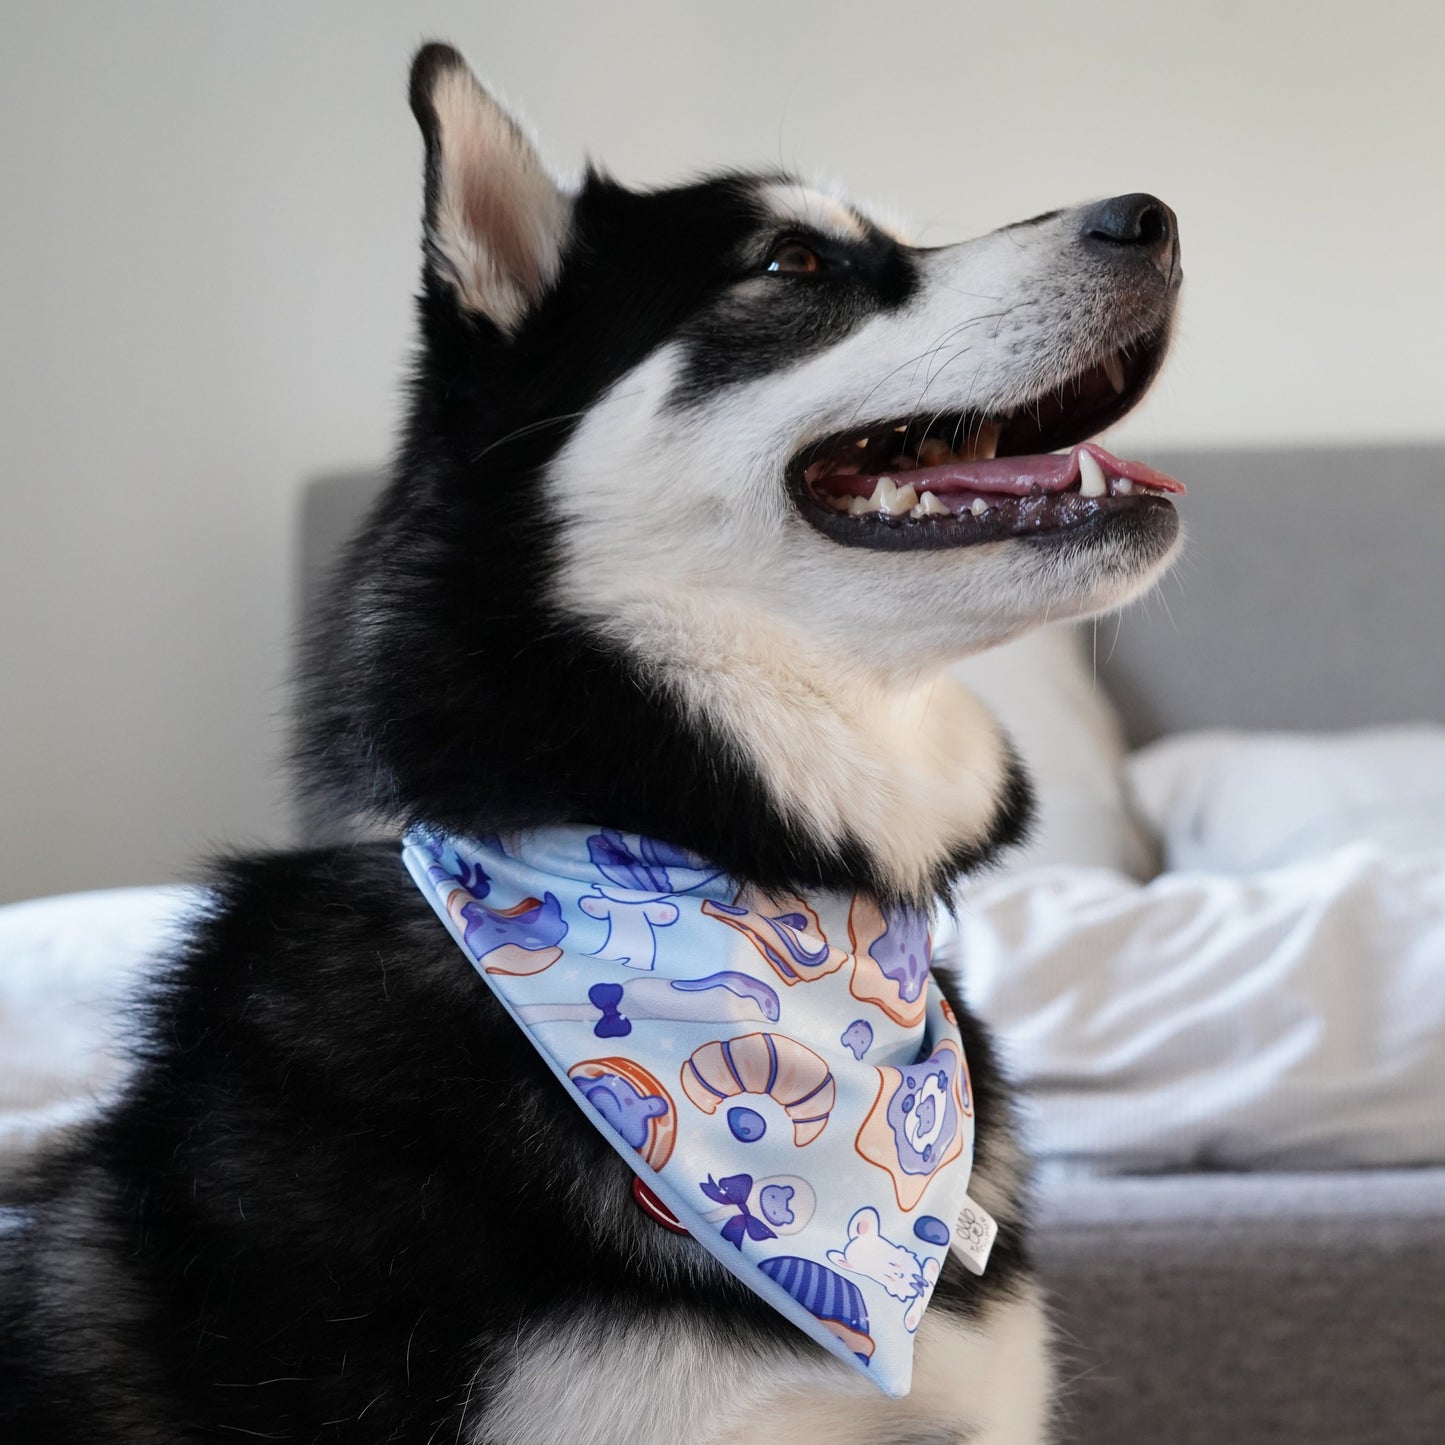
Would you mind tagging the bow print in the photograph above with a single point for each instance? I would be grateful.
(733, 1190)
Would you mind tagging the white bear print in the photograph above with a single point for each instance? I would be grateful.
(631, 921)
(898, 1270)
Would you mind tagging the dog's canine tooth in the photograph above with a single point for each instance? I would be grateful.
(979, 507)
(1114, 370)
(1092, 482)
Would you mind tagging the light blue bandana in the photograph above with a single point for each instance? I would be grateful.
(784, 1076)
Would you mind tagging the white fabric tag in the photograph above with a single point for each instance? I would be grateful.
(974, 1234)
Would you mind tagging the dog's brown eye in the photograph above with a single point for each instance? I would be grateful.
(793, 258)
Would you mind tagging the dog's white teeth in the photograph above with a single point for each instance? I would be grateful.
(885, 491)
(929, 506)
(888, 499)
(979, 507)
(905, 499)
(1123, 486)
(891, 499)
(862, 443)
(1092, 482)
(1114, 370)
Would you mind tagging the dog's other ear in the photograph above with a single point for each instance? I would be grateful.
(495, 219)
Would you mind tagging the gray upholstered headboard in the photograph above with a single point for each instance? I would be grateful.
(1311, 594)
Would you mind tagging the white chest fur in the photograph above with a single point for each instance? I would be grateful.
(665, 1382)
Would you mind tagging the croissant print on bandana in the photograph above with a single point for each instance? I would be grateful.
(782, 1074)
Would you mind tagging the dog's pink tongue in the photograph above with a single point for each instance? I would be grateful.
(1018, 476)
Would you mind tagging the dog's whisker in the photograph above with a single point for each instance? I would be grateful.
(530, 429)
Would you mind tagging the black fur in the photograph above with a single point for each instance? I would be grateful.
(304, 1220)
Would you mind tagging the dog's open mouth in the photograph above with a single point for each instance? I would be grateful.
(956, 478)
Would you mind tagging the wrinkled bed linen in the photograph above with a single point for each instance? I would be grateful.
(1290, 1018)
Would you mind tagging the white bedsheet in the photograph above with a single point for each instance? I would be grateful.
(1286, 1018)
(68, 967)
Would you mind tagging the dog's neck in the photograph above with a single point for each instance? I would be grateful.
(910, 772)
(689, 715)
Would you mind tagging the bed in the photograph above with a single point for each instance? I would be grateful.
(1208, 1283)
(1231, 1023)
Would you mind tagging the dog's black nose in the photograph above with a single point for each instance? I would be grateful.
(1141, 223)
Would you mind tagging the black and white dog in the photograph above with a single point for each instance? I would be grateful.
(702, 490)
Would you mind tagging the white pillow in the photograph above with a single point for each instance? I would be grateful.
(1043, 690)
(1238, 801)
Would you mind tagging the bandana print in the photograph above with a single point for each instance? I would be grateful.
(783, 1074)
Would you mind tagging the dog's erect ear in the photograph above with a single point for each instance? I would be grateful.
(495, 218)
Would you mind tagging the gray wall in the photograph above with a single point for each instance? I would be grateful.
(207, 231)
